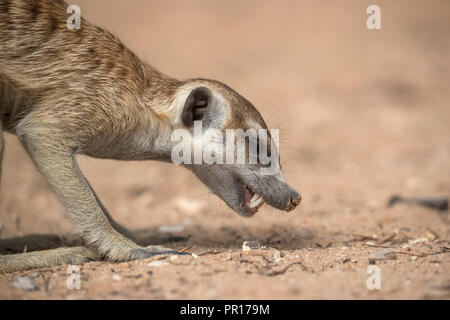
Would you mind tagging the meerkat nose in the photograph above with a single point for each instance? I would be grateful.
(293, 202)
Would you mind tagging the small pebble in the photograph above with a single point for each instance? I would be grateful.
(250, 245)
(24, 283)
(384, 255)
(277, 256)
(157, 264)
(172, 228)
(116, 277)
(419, 240)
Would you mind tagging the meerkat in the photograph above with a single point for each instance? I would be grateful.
(65, 92)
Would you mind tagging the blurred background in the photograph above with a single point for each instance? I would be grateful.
(363, 114)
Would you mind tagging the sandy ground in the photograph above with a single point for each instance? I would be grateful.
(363, 115)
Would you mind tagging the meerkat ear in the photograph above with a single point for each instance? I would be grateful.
(196, 106)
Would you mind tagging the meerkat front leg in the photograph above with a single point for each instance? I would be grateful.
(57, 162)
(116, 226)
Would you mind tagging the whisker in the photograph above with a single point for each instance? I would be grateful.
(200, 195)
(273, 113)
(286, 121)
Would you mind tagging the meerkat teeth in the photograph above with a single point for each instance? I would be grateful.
(255, 203)
(255, 197)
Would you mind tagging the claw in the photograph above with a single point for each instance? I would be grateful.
(145, 253)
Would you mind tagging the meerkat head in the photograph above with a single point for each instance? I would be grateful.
(223, 139)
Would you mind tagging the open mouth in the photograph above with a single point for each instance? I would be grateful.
(251, 200)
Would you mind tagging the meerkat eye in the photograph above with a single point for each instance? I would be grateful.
(196, 106)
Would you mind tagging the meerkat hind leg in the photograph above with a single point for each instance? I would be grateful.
(46, 259)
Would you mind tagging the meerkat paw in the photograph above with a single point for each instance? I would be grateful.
(129, 251)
